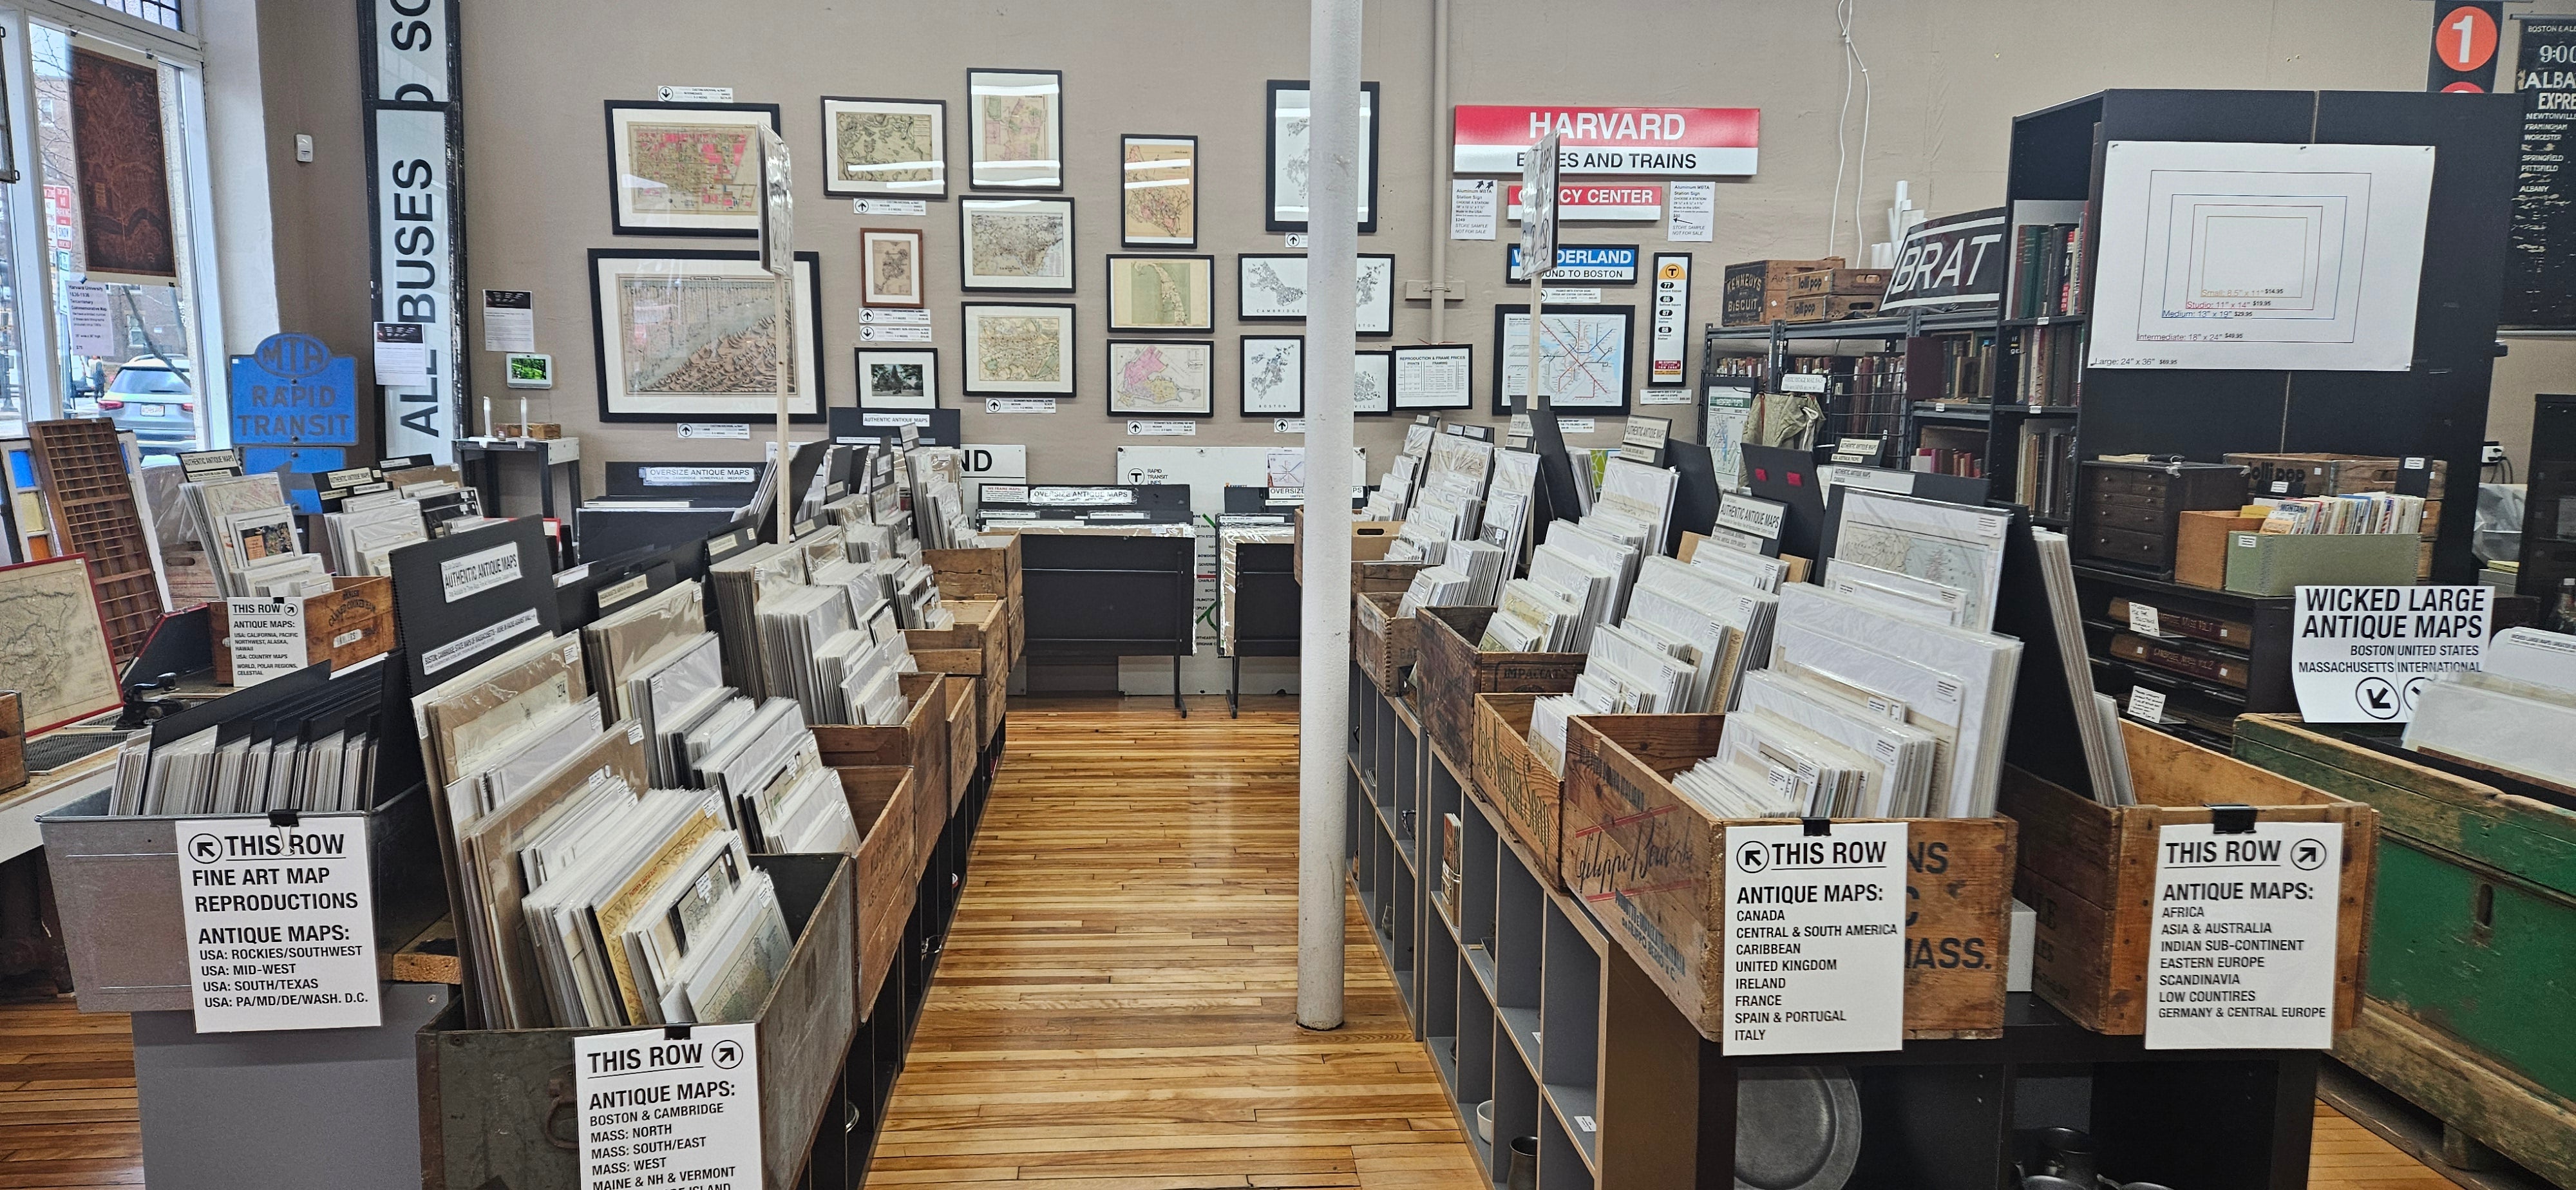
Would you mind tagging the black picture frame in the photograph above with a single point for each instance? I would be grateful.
(1110, 301)
(1158, 245)
(1627, 315)
(812, 404)
(1395, 391)
(1387, 354)
(930, 375)
(1109, 361)
(1243, 375)
(1270, 157)
(617, 223)
(1072, 350)
(1244, 303)
(968, 204)
(839, 187)
(974, 180)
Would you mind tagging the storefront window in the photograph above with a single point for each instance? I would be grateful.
(112, 141)
(164, 15)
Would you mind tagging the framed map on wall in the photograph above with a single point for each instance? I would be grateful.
(687, 335)
(1015, 243)
(1162, 378)
(1161, 293)
(1018, 350)
(686, 169)
(1284, 181)
(1583, 357)
(885, 146)
(1015, 129)
(1158, 188)
(1274, 376)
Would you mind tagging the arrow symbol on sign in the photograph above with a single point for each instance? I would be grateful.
(2378, 699)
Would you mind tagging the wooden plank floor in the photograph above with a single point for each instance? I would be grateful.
(1115, 1010)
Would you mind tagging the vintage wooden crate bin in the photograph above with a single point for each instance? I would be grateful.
(1515, 781)
(964, 756)
(1449, 672)
(2469, 937)
(1370, 571)
(919, 741)
(496, 1106)
(888, 869)
(974, 648)
(987, 574)
(1383, 642)
(352, 623)
(1652, 864)
(2089, 871)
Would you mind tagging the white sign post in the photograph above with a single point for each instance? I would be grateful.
(675, 1107)
(778, 255)
(2244, 930)
(2364, 654)
(1538, 244)
(280, 922)
(1815, 939)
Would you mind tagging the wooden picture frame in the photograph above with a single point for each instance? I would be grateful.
(660, 180)
(1039, 362)
(890, 273)
(1161, 292)
(892, 379)
(1270, 380)
(1283, 173)
(1158, 204)
(1015, 129)
(866, 142)
(1015, 244)
(1162, 377)
(700, 325)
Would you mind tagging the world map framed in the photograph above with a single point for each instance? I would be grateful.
(1018, 350)
(1015, 129)
(1161, 293)
(1158, 191)
(1162, 378)
(685, 169)
(895, 147)
(1015, 243)
(685, 334)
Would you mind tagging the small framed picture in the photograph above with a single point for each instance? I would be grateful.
(1162, 378)
(896, 147)
(528, 370)
(1158, 192)
(1271, 287)
(1015, 129)
(1161, 293)
(890, 267)
(1432, 377)
(898, 378)
(1274, 376)
(686, 169)
(1018, 350)
(1372, 378)
(1015, 244)
(1284, 181)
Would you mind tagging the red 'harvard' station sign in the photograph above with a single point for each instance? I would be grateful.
(1675, 141)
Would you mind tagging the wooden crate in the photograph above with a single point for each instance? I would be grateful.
(974, 648)
(1383, 642)
(919, 743)
(2480, 901)
(13, 742)
(352, 623)
(1369, 569)
(1524, 793)
(1828, 307)
(1449, 672)
(1653, 864)
(965, 756)
(986, 574)
(2089, 871)
(883, 801)
(1850, 282)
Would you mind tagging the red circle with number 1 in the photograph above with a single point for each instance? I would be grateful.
(2465, 38)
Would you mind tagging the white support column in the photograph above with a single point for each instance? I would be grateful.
(1323, 667)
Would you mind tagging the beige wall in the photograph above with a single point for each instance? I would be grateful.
(1948, 76)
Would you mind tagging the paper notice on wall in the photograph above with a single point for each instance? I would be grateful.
(402, 355)
(1694, 206)
(1815, 938)
(1475, 208)
(280, 926)
(509, 320)
(93, 325)
(2244, 936)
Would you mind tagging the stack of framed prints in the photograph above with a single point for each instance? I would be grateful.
(1271, 287)
(684, 335)
(1274, 376)
(895, 147)
(1431, 377)
(1162, 378)
(898, 378)
(1018, 350)
(1161, 293)
(1584, 358)
(1015, 244)
(686, 169)
(1158, 191)
(890, 267)
(1284, 179)
(1015, 129)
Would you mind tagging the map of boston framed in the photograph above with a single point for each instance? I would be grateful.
(893, 147)
(1018, 350)
(686, 169)
(687, 335)
(1015, 129)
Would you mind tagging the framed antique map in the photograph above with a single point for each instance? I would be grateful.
(898, 378)
(688, 335)
(1583, 357)
(890, 267)
(686, 169)
(1162, 378)
(1015, 129)
(53, 648)
(1284, 176)
(1015, 243)
(1018, 350)
(1158, 191)
(1274, 376)
(1162, 293)
(1372, 382)
(1271, 287)
(894, 147)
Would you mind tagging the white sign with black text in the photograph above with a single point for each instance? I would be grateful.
(1745, 514)
(1669, 342)
(265, 638)
(1694, 213)
(280, 923)
(1473, 203)
(669, 1107)
(509, 320)
(2363, 654)
(1815, 939)
(2244, 937)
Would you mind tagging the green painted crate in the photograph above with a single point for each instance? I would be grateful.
(2472, 945)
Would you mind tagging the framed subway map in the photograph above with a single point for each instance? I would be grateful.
(885, 146)
(686, 169)
(1583, 357)
(1274, 376)
(1015, 129)
(1271, 287)
(1018, 350)
(1284, 181)
(1162, 378)
(1015, 243)
(1158, 189)
(1161, 293)
(685, 335)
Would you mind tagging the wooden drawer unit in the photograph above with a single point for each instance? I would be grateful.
(2129, 513)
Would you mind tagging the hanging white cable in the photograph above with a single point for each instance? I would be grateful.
(1868, 93)
(1842, 121)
